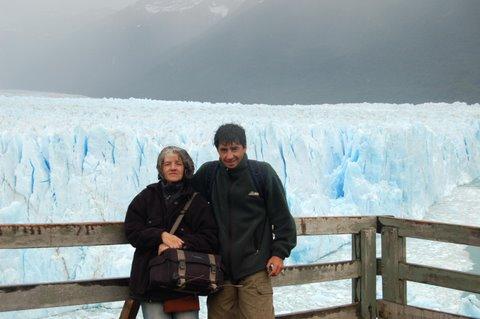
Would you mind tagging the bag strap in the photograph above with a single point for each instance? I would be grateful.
(213, 272)
(259, 177)
(182, 267)
(211, 169)
(257, 171)
(182, 213)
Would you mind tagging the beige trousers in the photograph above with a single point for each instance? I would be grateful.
(254, 299)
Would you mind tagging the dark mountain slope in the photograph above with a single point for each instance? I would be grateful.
(283, 52)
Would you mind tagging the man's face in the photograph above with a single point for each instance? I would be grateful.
(231, 154)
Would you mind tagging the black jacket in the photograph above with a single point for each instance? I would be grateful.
(148, 216)
(245, 219)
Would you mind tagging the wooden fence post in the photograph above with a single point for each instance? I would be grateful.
(356, 256)
(393, 252)
(368, 281)
(130, 309)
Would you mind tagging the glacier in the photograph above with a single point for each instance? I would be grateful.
(83, 159)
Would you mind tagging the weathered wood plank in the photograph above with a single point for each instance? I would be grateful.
(341, 312)
(368, 279)
(333, 225)
(390, 310)
(402, 257)
(85, 234)
(458, 234)
(94, 291)
(61, 235)
(304, 274)
(111, 233)
(440, 277)
(356, 256)
(393, 252)
(130, 309)
(62, 294)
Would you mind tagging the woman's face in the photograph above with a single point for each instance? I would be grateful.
(173, 168)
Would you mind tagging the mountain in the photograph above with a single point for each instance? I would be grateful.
(260, 51)
(285, 52)
(108, 49)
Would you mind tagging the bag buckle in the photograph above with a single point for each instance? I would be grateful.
(213, 269)
(182, 264)
(181, 282)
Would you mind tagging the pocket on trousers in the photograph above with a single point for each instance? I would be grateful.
(264, 288)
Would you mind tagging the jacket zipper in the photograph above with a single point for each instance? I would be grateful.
(256, 242)
(230, 227)
(258, 239)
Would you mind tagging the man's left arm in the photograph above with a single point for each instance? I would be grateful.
(281, 220)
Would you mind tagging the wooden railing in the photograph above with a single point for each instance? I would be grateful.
(362, 269)
(396, 271)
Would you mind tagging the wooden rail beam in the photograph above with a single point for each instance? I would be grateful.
(34, 296)
(13, 236)
(62, 294)
(333, 225)
(61, 235)
(305, 274)
(341, 312)
(440, 277)
(457, 234)
(391, 310)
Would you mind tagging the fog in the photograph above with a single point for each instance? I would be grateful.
(24, 12)
(249, 51)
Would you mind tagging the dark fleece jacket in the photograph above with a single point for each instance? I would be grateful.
(148, 216)
(246, 221)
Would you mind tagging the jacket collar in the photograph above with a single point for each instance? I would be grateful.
(158, 187)
(240, 168)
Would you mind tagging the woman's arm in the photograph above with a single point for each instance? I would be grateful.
(140, 231)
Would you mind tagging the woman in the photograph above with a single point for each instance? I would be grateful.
(149, 219)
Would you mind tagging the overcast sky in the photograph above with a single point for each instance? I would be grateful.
(331, 51)
(18, 6)
(31, 11)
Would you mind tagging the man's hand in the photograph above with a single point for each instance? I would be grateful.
(274, 266)
(161, 248)
(171, 241)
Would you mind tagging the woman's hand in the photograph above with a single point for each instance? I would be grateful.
(172, 241)
(161, 248)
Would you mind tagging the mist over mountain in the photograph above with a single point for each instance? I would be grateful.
(106, 50)
(270, 51)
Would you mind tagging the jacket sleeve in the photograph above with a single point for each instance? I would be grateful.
(139, 234)
(199, 181)
(279, 216)
(204, 237)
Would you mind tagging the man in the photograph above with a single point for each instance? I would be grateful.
(256, 230)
